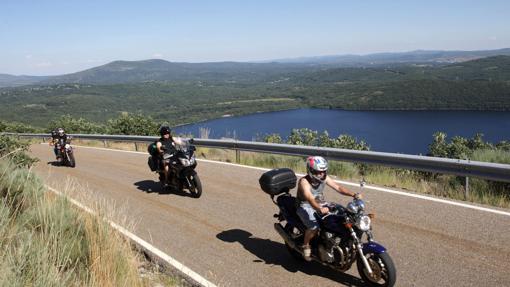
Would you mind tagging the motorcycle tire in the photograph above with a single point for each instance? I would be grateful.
(195, 185)
(384, 272)
(71, 160)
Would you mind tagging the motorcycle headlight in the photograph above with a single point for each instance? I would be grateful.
(67, 146)
(184, 161)
(363, 223)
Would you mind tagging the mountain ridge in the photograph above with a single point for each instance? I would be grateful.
(122, 71)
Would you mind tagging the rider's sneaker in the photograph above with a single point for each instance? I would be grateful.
(307, 252)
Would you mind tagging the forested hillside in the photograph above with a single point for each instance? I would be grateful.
(482, 84)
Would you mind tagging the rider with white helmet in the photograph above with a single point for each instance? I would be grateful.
(310, 196)
(59, 138)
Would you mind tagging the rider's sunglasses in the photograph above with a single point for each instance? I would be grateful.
(319, 171)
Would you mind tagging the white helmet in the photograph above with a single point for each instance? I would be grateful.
(315, 165)
(60, 131)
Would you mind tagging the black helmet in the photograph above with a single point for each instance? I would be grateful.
(164, 130)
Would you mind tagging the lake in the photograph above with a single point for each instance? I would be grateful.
(407, 132)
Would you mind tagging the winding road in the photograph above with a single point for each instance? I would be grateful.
(227, 235)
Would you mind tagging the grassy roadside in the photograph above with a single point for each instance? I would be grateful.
(47, 241)
(448, 186)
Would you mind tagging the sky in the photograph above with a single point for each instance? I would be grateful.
(58, 37)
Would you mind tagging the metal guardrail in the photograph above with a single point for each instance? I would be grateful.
(491, 171)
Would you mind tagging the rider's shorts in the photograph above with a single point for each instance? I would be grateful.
(307, 216)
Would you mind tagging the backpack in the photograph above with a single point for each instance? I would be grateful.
(151, 149)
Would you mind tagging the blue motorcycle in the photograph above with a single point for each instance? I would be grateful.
(345, 233)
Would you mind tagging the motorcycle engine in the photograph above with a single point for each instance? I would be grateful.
(329, 242)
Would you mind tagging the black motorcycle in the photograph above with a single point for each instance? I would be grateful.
(340, 241)
(66, 153)
(182, 164)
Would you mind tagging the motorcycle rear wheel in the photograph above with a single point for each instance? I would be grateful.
(195, 185)
(384, 273)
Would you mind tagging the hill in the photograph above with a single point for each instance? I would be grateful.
(121, 72)
(15, 81)
(419, 56)
(482, 84)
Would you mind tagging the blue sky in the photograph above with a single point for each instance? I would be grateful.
(56, 37)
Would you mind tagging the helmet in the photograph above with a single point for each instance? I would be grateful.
(164, 130)
(60, 131)
(315, 165)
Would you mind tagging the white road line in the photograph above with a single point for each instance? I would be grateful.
(163, 256)
(348, 183)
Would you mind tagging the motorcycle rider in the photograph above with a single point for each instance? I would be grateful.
(59, 138)
(310, 197)
(166, 144)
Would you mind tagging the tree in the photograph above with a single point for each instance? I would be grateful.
(128, 124)
(303, 136)
(438, 147)
(72, 125)
(273, 138)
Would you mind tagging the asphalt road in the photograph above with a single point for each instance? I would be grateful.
(227, 235)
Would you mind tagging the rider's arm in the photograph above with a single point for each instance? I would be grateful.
(305, 193)
(159, 147)
(340, 189)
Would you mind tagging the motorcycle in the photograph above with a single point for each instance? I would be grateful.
(182, 164)
(339, 242)
(66, 154)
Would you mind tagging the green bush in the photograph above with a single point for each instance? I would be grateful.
(17, 128)
(15, 149)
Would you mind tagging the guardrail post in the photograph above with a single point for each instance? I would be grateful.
(104, 143)
(466, 188)
(238, 156)
(136, 146)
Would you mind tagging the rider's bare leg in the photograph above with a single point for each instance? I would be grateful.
(309, 234)
(166, 173)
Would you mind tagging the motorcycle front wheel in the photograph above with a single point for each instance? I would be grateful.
(384, 273)
(70, 159)
(195, 184)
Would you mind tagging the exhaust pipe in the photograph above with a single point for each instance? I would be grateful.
(279, 228)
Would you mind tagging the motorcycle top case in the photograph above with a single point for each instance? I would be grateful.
(278, 181)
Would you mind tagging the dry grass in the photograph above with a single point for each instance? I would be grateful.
(46, 241)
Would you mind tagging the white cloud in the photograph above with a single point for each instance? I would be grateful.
(157, 55)
(28, 57)
(44, 64)
(493, 38)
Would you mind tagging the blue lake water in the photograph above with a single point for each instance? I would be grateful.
(407, 132)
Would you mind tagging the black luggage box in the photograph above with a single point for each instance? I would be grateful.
(278, 181)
